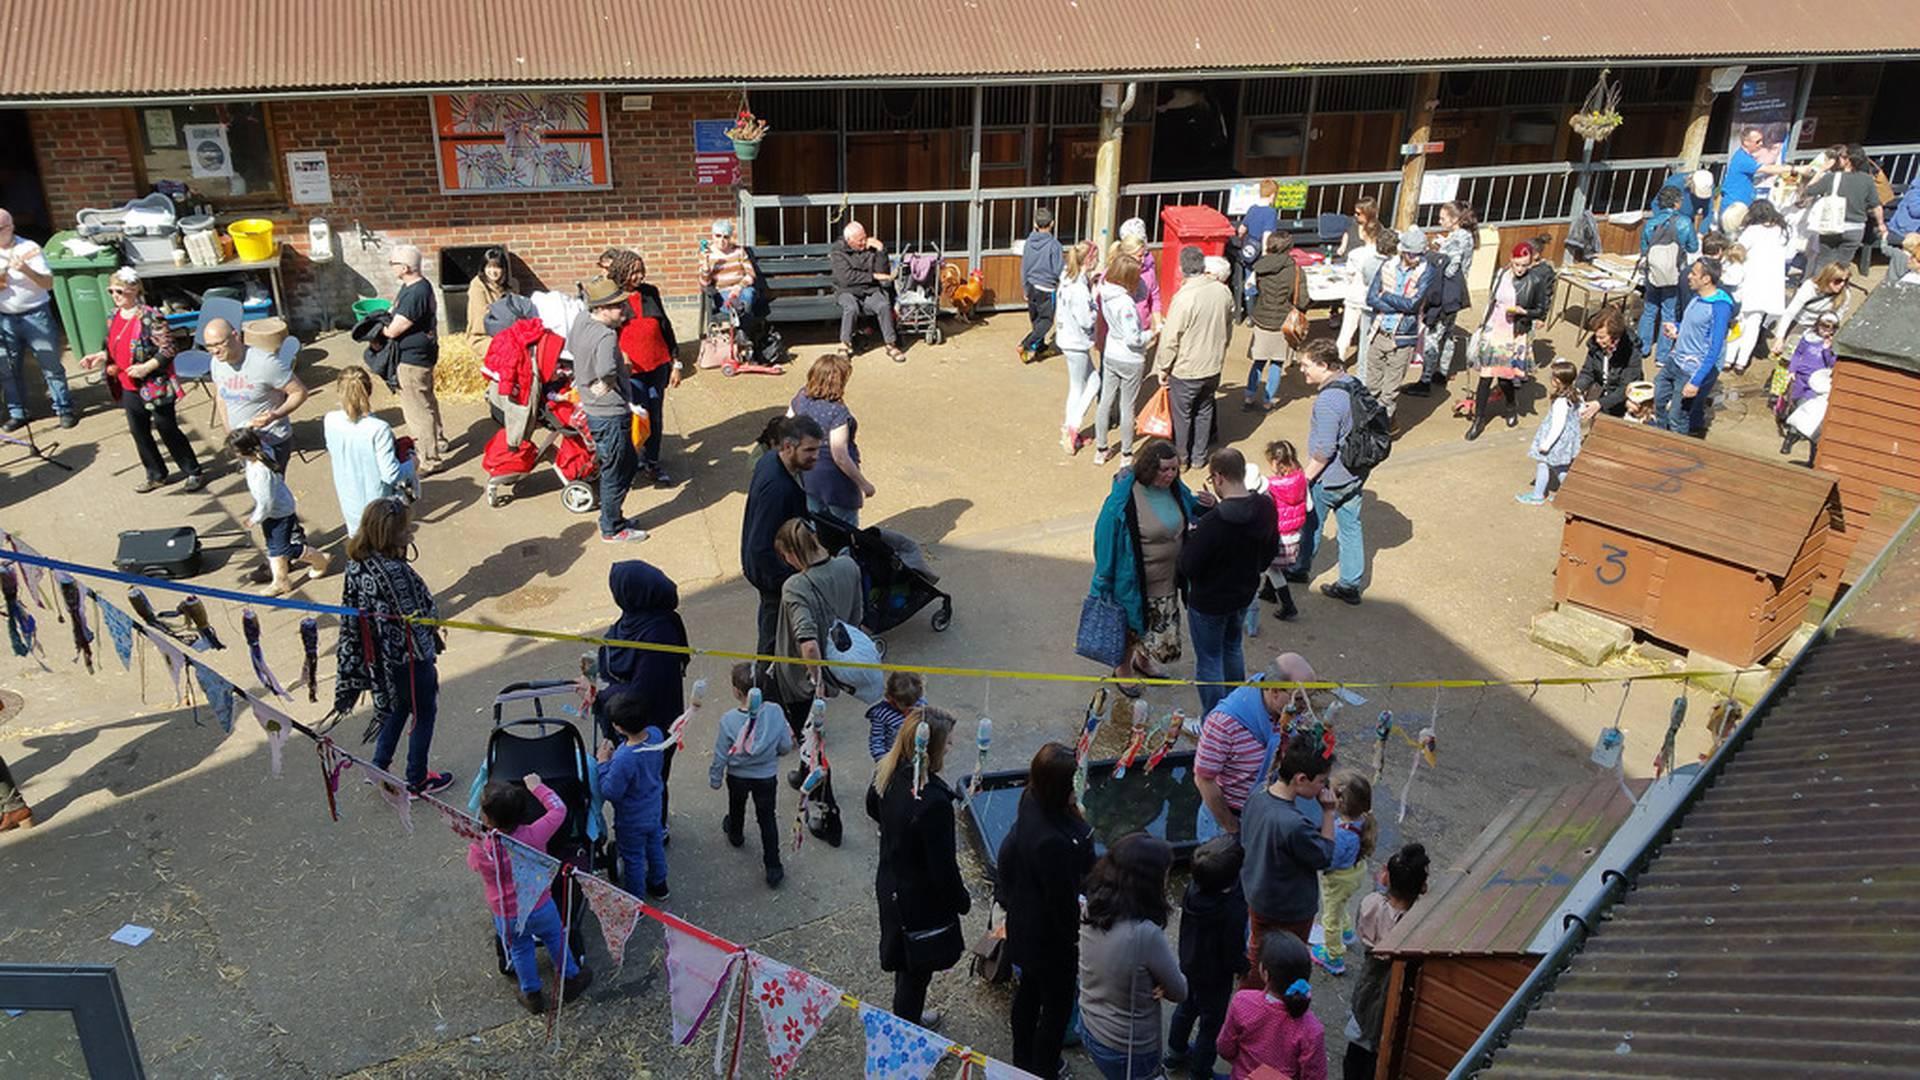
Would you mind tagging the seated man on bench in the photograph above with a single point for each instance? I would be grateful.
(862, 282)
(726, 273)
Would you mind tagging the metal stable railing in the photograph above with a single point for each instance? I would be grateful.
(1332, 194)
(947, 218)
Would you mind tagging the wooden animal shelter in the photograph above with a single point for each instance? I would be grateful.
(1463, 949)
(1871, 437)
(1700, 547)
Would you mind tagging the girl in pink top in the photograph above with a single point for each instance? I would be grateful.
(1287, 487)
(530, 814)
(1275, 1027)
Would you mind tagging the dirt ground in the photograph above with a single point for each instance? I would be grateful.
(291, 946)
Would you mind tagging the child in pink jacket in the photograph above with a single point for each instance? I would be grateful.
(1274, 1026)
(1287, 487)
(530, 814)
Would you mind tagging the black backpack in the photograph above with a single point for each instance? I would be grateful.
(1371, 439)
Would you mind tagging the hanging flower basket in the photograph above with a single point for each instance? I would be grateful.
(746, 133)
(1595, 125)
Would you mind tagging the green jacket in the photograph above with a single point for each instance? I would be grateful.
(1118, 572)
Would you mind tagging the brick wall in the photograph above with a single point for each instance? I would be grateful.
(380, 153)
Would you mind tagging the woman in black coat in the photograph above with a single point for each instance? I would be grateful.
(1613, 364)
(918, 882)
(1042, 864)
(649, 604)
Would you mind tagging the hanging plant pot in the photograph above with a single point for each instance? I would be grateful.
(746, 151)
(1595, 125)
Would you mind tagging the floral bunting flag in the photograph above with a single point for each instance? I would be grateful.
(617, 912)
(392, 791)
(532, 875)
(897, 1050)
(793, 1006)
(463, 826)
(119, 629)
(219, 695)
(696, 971)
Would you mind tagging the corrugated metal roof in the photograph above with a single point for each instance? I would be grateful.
(1777, 934)
(1493, 898)
(1680, 491)
(157, 47)
(1886, 329)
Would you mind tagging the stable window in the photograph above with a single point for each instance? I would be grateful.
(223, 153)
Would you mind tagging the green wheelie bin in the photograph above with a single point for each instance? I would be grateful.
(80, 292)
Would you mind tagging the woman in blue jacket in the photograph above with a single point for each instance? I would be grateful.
(1136, 554)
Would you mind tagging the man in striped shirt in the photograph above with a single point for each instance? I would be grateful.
(727, 272)
(1237, 739)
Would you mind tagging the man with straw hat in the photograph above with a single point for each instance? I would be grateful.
(606, 396)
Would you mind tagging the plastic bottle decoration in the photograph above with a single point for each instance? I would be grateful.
(1381, 730)
(586, 685)
(250, 630)
(1096, 712)
(1135, 741)
(1607, 748)
(814, 763)
(744, 740)
(310, 652)
(195, 612)
(20, 624)
(919, 757)
(82, 636)
(1428, 750)
(1250, 619)
(1176, 725)
(677, 731)
(1675, 718)
(982, 740)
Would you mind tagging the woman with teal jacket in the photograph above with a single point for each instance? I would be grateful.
(1136, 552)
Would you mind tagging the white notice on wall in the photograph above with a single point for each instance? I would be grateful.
(1438, 187)
(308, 178)
(208, 151)
(1241, 197)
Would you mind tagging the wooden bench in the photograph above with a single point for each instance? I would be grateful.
(797, 281)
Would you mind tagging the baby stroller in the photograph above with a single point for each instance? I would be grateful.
(894, 574)
(916, 305)
(530, 391)
(551, 746)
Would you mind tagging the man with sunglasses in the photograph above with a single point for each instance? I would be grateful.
(254, 387)
(26, 324)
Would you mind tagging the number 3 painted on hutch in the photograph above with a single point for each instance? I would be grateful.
(1612, 570)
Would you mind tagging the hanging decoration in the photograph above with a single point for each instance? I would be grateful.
(176, 661)
(982, 742)
(1381, 729)
(1176, 724)
(677, 731)
(897, 1050)
(310, 656)
(194, 611)
(813, 761)
(333, 762)
(919, 758)
(250, 630)
(277, 725)
(119, 630)
(20, 625)
(617, 912)
(793, 1006)
(219, 696)
(1675, 717)
(744, 741)
(29, 573)
(726, 1063)
(1599, 115)
(697, 969)
(1135, 740)
(532, 872)
(70, 599)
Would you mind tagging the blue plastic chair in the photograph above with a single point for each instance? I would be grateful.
(217, 308)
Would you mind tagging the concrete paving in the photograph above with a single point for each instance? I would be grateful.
(292, 946)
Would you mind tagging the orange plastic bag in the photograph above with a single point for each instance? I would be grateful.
(640, 430)
(1156, 420)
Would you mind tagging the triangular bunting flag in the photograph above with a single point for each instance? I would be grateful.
(618, 913)
(119, 630)
(696, 970)
(392, 791)
(793, 1006)
(333, 762)
(276, 724)
(463, 826)
(20, 625)
(219, 695)
(532, 874)
(176, 660)
(897, 1050)
(29, 572)
(1000, 1070)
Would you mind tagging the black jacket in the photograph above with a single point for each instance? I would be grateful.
(1042, 864)
(1213, 939)
(1532, 290)
(1225, 552)
(1608, 376)
(773, 498)
(917, 884)
(1275, 279)
(653, 307)
(853, 270)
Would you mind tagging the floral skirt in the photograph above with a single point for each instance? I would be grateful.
(1504, 359)
(1161, 641)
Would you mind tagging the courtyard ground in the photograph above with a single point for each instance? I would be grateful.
(291, 946)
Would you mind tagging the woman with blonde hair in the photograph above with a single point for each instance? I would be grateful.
(138, 363)
(1123, 361)
(360, 447)
(835, 485)
(1076, 319)
(917, 883)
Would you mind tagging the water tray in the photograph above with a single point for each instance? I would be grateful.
(1163, 802)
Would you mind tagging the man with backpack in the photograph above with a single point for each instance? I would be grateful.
(1665, 240)
(1346, 437)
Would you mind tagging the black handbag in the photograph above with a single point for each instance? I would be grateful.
(934, 950)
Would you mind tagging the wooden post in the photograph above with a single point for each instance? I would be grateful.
(973, 183)
(1701, 111)
(1426, 97)
(1106, 164)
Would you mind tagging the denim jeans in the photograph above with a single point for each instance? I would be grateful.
(32, 331)
(543, 926)
(416, 693)
(1343, 503)
(613, 449)
(846, 515)
(1115, 1064)
(1272, 370)
(1662, 306)
(1672, 409)
(643, 860)
(1217, 656)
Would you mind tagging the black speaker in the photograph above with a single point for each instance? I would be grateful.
(163, 553)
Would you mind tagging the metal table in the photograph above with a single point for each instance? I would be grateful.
(153, 270)
(1597, 280)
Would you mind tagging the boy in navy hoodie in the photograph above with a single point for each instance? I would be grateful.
(1213, 954)
(630, 780)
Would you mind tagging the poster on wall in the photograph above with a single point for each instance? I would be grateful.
(713, 158)
(498, 142)
(1764, 100)
(207, 150)
(161, 134)
(308, 179)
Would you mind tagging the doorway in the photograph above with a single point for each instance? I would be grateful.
(1193, 130)
(20, 190)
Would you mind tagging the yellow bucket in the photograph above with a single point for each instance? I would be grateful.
(252, 239)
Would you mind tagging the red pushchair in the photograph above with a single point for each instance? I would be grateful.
(530, 390)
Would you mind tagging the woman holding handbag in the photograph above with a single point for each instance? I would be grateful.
(1279, 320)
(917, 883)
(1127, 965)
(139, 374)
(1135, 595)
(1042, 864)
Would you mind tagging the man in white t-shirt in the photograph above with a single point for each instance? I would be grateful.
(259, 392)
(26, 324)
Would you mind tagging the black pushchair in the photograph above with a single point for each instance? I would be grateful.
(551, 746)
(893, 570)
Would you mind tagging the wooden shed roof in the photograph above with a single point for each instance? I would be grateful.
(1886, 329)
(1685, 493)
(1492, 900)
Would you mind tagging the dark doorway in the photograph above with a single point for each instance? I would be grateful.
(20, 190)
(1193, 130)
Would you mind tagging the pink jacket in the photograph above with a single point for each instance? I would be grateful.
(485, 858)
(1289, 494)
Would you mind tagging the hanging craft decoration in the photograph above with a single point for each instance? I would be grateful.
(813, 760)
(744, 741)
(677, 731)
(250, 629)
(70, 599)
(310, 656)
(897, 1050)
(982, 742)
(195, 613)
(119, 630)
(697, 969)
(617, 912)
(1176, 725)
(392, 791)
(20, 625)
(1381, 729)
(29, 573)
(176, 661)
(333, 762)
(919, 757)
(1135, 740)
(1664, 760)
(793, 1007)
(277, 725)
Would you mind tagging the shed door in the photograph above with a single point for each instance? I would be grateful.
(1610, 571)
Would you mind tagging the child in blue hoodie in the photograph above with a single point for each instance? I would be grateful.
(630, 779)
